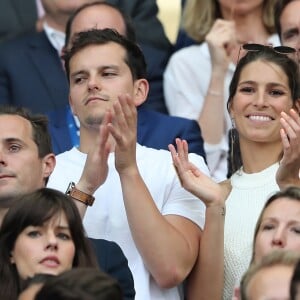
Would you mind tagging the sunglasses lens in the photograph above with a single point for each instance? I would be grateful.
(284, 49)
(253, 47)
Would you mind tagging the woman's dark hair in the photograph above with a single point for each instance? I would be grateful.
(289, 67)
(35, 209)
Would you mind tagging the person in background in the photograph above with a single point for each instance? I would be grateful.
(287, 20)
(277, 226)
(197, 78)
(264, 102)
(270, 277)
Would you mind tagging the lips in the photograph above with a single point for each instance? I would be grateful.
(4, 176)
(260, 118)
(96, 98)
(50, 261)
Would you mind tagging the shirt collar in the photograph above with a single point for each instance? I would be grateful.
(56, 38)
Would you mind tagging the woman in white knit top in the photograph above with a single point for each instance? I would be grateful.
(264, 92)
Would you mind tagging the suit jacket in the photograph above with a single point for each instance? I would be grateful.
(112, 261)
(31, 74)
(16, 16)
(156, 130)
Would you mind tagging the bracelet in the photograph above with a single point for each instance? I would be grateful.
(214, 93)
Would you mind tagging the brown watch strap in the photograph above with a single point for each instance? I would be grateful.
(80, 196)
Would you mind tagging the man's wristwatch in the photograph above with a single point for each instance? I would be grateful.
(78, 195)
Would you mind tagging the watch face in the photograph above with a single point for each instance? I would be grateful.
(70, 188)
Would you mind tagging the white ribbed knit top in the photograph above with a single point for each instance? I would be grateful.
(243, 206)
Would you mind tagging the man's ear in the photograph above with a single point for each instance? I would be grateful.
(141, 89)
(49, 162)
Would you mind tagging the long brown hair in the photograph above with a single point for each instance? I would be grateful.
(35, 209)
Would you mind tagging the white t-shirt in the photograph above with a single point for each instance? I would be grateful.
(107, 218)
(186, 80)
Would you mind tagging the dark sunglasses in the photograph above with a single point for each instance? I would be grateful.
(285, 50)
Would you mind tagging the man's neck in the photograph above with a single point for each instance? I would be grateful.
(58, 24)
(88, 140)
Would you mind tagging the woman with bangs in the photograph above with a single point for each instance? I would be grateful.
(265, 155)
(41, 234)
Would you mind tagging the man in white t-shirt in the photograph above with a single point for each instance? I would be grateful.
(139, 201)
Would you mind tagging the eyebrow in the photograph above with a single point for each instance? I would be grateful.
(63, 227)
(13, 140)
(101, 68)
(293, 30)
(256, 83)
(275, 219)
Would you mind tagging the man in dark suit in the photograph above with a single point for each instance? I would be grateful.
(29, 167)
(34, 60)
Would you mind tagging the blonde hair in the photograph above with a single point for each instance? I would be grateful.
(199, 16)
(274, 258)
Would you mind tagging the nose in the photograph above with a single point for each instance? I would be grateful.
(2, 158)
(278, 239)
(260, 99)
(94, 84)
(51, 241)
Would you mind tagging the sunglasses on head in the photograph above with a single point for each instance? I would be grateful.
(285, 50)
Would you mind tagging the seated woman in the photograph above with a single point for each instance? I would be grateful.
(277, 228)
(42, 233)
(263, 101)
